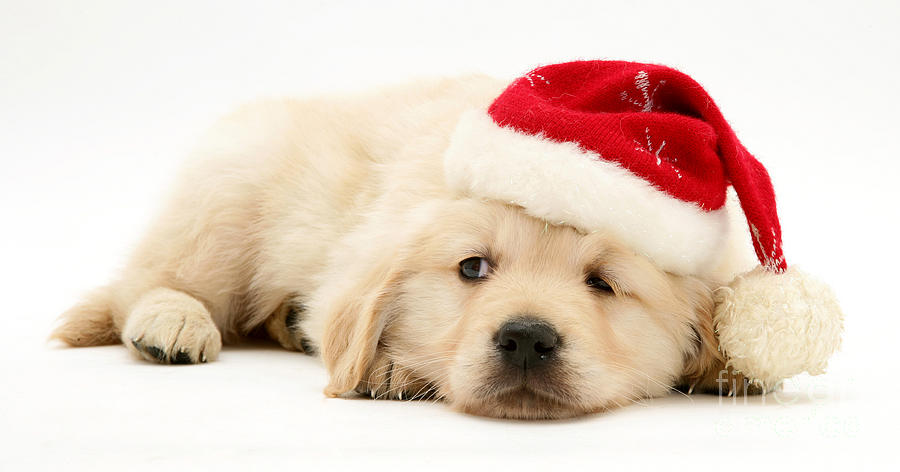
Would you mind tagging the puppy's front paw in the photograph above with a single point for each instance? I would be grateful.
(386, 380)
(170, 327)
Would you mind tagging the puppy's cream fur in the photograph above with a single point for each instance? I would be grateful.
(329, 223)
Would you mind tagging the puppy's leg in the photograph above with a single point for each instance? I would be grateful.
(284, 327)
(171, 327)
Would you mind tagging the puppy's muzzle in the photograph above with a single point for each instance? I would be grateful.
(527, 342)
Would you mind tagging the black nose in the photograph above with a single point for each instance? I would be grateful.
(526, 342)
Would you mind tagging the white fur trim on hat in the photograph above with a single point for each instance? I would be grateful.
(773, 326)
(564, 184)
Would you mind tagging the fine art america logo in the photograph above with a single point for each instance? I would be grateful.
(731, 387)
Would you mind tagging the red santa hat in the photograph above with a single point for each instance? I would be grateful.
(641, 152)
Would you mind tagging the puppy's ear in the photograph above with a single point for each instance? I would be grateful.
(357, 316)
(703, 361)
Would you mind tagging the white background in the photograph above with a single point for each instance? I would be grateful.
(99, 100)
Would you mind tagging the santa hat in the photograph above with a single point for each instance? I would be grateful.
(641, 152)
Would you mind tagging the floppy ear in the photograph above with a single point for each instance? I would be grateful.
(357, 316)
(706, 368)
(704, 361)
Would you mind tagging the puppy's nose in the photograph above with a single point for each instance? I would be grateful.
(526, 342)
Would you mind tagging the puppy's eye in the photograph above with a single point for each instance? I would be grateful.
(474, 268)
(598, 283)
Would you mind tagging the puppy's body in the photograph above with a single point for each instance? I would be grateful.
(264, 203)
(329, 223)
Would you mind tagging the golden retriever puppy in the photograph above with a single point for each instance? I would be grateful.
(328, 224)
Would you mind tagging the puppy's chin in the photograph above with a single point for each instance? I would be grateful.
(503, 392)
(522, 403)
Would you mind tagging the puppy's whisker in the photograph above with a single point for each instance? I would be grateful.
(413, 365)
(420, 364)
(631, 370)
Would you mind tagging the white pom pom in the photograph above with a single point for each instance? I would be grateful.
(773, 326)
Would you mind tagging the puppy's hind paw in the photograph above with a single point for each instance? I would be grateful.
(284, 327)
